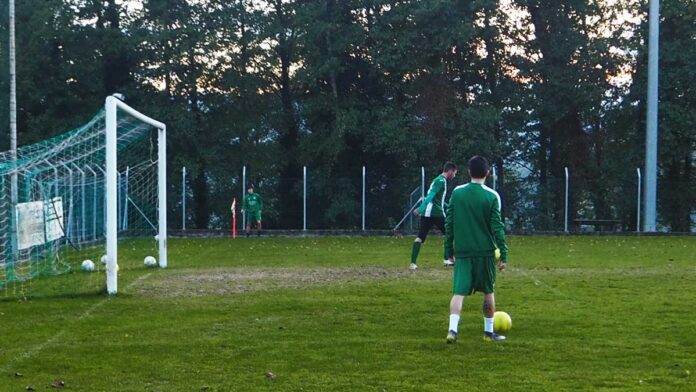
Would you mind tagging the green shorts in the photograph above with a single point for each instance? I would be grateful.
(253, 216)
(473, 274)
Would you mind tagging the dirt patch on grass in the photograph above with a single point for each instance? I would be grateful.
(228, 281)
(219, 281)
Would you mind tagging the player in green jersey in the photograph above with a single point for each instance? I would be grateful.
(474, 231)
(432, 212)
(253, 205)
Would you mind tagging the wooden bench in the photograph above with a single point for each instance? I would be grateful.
(597, 223)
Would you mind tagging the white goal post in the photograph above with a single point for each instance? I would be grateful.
(112, 106)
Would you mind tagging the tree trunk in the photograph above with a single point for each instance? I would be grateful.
(115, 59)
(200, 200)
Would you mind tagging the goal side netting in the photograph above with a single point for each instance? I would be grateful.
(78, 195)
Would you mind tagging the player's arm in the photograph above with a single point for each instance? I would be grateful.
(244, 203)
(260, 203)
(434, 189)
(449, 231)
(499, 230)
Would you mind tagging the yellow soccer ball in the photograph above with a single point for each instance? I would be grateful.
(497, 254)
(502, 323)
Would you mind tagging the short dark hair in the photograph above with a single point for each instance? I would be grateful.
(478, 167)
(250, 186)
(449, 166)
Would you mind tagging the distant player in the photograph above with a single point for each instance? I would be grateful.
(474, 231)
(432, 213)
(253, 205)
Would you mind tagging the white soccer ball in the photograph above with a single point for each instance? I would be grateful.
(104, 259)
(87, 266)
(150, 261)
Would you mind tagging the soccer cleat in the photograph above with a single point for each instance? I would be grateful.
(493, 337)
(413, 266)
(451, 337)
(447, 263)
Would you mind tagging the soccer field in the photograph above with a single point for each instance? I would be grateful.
(344, 314)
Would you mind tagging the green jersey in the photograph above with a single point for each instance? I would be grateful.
(432, 206)
(252, 202)
(473, 226)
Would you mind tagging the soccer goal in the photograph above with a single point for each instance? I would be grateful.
(78, 195)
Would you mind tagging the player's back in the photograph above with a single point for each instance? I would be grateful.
(470, 213)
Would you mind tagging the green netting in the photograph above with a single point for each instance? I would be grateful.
(58, 219)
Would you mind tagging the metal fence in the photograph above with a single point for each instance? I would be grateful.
(376, 201)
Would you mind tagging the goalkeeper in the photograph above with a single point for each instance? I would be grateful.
(252, 206)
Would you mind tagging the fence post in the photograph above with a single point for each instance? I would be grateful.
(422, 182)
(243, 196)
(84, 203)
(80, 225)
(304, 198)
(94, 203)
(105, 212)
(119, 201)
(363, 198)
(183, 198)
(124, 225)
(69, 230)
(638, 204)
(566, 199)
(495, 177)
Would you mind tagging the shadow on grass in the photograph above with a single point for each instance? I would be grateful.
(16, 296)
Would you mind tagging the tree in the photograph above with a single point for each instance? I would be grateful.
(677, 138)
(570, 79)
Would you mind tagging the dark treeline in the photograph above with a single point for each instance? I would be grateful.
(275, 85)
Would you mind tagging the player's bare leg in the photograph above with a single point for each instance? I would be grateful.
(456, 304)
(488, 308)
(258, 228)
(488, 305)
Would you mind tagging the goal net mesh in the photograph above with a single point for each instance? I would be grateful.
(53, 217)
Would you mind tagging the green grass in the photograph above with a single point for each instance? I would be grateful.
(337, 314)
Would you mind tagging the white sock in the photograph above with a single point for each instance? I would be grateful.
(488, 324)
(454, 322)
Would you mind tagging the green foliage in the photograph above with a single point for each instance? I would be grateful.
(388, 84)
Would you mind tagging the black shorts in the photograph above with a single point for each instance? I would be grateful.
(427, 223)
